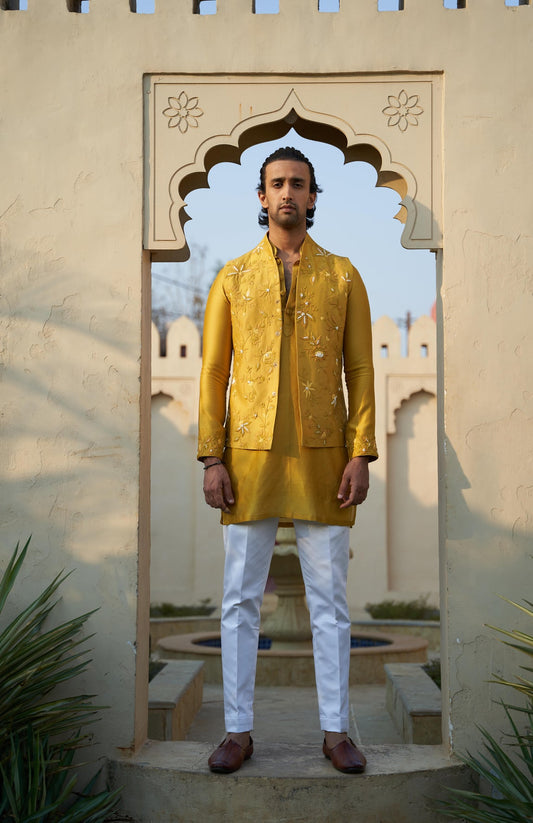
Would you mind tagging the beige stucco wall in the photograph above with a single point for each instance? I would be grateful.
(395, 541)
(71, 149)
(187, 555)
(412, 498)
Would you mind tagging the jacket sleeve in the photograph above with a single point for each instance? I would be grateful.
(214, 377)
(359, 373)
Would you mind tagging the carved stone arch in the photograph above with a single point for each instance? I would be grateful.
(271, 125)
(256, 110)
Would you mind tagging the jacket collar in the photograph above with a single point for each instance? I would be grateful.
(308, 247)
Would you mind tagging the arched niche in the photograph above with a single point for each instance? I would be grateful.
(401, 388)
(195, 123)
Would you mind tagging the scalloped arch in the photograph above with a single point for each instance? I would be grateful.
(271, 125)
(420, 384)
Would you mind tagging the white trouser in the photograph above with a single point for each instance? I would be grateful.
(324, 552)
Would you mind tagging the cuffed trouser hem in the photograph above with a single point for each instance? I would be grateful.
(334, 724)
(238, 724)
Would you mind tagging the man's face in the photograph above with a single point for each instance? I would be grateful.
(286, 195)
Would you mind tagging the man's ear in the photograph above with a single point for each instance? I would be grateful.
(263, 199)
(312, 199)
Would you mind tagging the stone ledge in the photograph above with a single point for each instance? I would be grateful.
(295, 667)
(174, 698)
(166, 626)
(414, 703)
(429, 629)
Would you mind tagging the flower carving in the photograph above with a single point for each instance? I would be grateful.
(183, 112)
(403, 111)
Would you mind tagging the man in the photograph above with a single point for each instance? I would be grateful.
(292, 316)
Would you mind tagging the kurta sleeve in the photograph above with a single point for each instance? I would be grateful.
(216, 363)
(359, 373)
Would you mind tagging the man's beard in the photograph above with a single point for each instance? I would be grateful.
(288, 219)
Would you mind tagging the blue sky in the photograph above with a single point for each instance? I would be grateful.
(353, 218)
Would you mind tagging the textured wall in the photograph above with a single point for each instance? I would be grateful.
(73, 387)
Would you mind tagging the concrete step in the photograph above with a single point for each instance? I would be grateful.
(169, 782)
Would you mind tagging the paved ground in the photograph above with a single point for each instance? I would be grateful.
(290, 715)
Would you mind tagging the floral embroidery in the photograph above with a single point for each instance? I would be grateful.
(211, 445)
(363, 445)
(238, 270)
(403, 111)
(304, 316)
(333, 324)
(243, 427)
(308, 388)
(183, 112)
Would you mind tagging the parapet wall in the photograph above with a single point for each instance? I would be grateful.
(265, 8)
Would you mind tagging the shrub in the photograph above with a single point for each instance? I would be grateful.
(507, 769)
(403, 610)
(169, 610)
(40, 731)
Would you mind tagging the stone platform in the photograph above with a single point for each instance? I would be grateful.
(288, 780)
(284, 783)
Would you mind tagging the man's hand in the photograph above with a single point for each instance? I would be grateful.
(354, 484)
(217, 487)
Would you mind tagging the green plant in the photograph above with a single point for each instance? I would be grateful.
(433, 670)
(40, 732)
(170, 610)
(508, 774)
(403, 610)
(154, 667)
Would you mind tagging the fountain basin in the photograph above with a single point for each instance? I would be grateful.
(295, 666)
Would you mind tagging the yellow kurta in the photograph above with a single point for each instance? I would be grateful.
(289, 480)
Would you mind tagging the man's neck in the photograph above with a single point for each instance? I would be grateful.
(288, 242)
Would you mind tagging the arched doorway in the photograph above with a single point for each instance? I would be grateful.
(368, 148)
(355, 219)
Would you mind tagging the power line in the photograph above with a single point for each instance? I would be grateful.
(201, 292)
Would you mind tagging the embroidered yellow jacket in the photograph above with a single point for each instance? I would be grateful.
(243, 319)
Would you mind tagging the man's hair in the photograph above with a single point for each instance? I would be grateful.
(288, 153)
